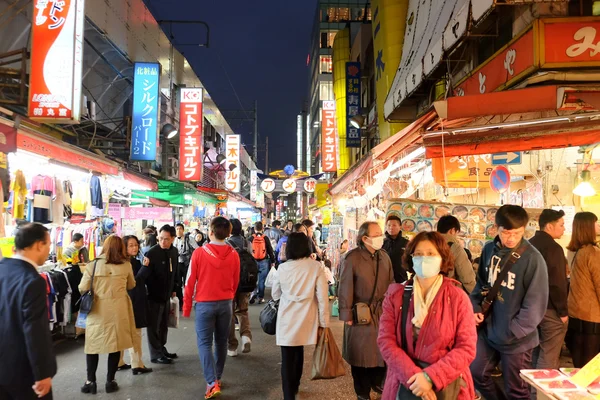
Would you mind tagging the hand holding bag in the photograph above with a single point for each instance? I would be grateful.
(361, 311)
(327, 360)
(268, 317)
(270, 277)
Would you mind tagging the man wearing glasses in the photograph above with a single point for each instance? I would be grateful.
(509, 333)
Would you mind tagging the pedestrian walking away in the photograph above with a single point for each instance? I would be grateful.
(262, 251)
(28, 362)
(139, 300)
(159, 271)
(434, 312)
(553, 328)
(509, 333)
(212, 284)
(110, 324)
(300, 285)
(366, 275)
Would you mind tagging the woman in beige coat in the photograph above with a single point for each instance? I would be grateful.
(110, 323)
(301, 287)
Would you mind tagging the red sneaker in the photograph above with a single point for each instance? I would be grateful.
(213, 391)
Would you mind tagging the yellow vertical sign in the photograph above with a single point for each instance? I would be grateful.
(389, 24)
(341, 55)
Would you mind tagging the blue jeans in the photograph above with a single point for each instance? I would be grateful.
(213, 319)
(263, 271)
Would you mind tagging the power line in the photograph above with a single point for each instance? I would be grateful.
(231, 84)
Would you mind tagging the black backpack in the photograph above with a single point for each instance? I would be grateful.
(248, 270)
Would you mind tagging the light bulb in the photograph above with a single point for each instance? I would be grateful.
(584, 189)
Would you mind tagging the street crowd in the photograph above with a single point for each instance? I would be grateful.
(422, 319)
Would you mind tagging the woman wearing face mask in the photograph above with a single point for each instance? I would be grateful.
(432, 351)
(366, 273)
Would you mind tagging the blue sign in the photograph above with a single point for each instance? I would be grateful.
(500, 179)
(144, 122)
(353, 93)
(508, 158)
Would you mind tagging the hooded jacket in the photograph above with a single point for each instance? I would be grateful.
(214, 275)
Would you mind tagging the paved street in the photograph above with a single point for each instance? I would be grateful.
(249, 376)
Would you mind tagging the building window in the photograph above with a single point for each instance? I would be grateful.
(326, 65)
(584, 7)
(326, 91)
(327, 38)
(344, 14)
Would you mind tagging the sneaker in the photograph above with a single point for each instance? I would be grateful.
(246, 343)
(232, 353)
(237, 327)
(213, 390)
(261, 301)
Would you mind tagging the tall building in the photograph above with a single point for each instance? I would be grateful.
(331, 17)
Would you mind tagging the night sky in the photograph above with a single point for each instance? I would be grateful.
(263, 47)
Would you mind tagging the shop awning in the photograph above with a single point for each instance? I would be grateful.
(147, 182)
(401, 140)
(355, 172)
(175, 193)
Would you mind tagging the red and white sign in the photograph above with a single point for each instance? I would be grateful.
(232, 166)
(191, 143)
(267, 185)
(328, 138)
(289, 186)
(56, 60)
(571, 41)
(310, 185)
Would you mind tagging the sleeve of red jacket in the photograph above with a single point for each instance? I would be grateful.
(452, 365)
(190, 287)
(236, 271)
(396, 359)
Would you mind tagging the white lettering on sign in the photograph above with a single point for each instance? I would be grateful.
(511, 57)
(464, 161)
(232, 149)
(482, 79)
(587, 36)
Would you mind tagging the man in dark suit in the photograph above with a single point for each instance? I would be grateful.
(160, 268)
(28, 362)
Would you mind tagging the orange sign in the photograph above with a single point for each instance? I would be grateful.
(499, 71)
(463, 171)
(568, 41)
(328, 138)
(191, 144)
(56, 60)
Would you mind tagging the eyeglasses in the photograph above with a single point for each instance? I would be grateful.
(511, 234)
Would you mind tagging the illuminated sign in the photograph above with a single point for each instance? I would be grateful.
(328, 138)
(268, 185)
(310, 185)
(191, 144)
(353, 93)
(289, 186)
(56, 60)
(232, 166)
(253, 184)
(146, 101)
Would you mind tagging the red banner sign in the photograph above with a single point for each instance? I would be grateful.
(56, 60)
(191, 142)
(568, 41)
(328, 138)
(61, 153)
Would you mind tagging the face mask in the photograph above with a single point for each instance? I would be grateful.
(427, 266)
(376, 242)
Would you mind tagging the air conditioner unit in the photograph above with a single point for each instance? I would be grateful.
(173, 168)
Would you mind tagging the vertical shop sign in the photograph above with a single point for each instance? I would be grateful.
(353, 93)
(253, 184)
(191, 141)
(144, 124)
(328, 137)
(232, 147)
(56, 60)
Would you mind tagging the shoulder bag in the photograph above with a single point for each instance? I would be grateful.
(87, 299)
(451, 391)
(361, 311)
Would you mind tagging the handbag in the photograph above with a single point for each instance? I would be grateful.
(327, 360)
(41, 200)
(268, 317)
(173, 313)
(361, 311)
(86, 301)
(489, 294)
(451, 391)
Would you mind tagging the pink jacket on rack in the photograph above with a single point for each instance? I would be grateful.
(447, 340)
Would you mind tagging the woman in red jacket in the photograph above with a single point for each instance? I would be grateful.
(441, 338)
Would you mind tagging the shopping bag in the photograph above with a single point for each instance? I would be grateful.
(335, 308)
(41, 201)
(81, 320)
(270, 277)
(174, 313)
(268, 317)
(327, 359)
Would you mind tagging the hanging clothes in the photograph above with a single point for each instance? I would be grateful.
(43, 186)
(68, 194)
(4, 176)
(80, 198)
(96, 196)
(58, 203)
(19, 189)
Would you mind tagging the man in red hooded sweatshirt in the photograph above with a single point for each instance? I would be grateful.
(212, 283)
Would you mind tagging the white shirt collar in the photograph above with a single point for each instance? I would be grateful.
(22, 257)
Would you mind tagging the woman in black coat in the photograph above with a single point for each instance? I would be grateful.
(139, 301)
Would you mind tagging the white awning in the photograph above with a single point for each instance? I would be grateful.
(432, 27)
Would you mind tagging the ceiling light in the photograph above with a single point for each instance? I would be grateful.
(585, 189)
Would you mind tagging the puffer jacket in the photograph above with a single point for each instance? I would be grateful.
(447, 340)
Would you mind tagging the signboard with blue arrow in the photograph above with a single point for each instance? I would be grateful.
(508, 158)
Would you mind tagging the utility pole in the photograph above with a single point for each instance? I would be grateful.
(267, 157)
(256, 132)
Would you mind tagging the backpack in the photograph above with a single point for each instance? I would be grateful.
(259, 247)
(282, 256)
(248, 270)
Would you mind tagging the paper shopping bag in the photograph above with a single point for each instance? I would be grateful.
(327, 360)
(174, 313)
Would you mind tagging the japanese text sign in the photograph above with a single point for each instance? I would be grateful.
(353, 93)
(289, 186)
(268, 185)
(570, 41)
(328, 138)
(146, 100)
(191, 142)
(472, 171)
(253, 184)
(232, 148)
(56, 60)
(310, 185)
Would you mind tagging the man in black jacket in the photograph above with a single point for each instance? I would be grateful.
(394, 245)
(28, 362)
(160, 272)
(553, 328)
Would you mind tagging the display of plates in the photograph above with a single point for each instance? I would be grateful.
(395, 207)
(491, 231)
(440, 211)
(408, 225)
(460, 212)
(424, 226)
(409, 210)
(476, 229)
(426, 211)
(491, 214)
(475, 246)
(477, 214)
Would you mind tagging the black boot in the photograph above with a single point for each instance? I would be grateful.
(89, 387)
(142, 370)
(111, 387)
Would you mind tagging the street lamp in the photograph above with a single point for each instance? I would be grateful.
(358, 121)
(169, 131)
(585, 188)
